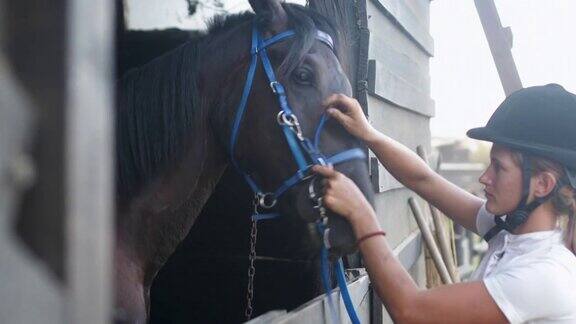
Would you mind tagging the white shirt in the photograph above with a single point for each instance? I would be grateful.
(531, 277)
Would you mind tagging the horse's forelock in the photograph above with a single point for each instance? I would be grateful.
(305, 22)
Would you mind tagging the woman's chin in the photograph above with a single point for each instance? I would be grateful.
(494, 209)
(491, 207)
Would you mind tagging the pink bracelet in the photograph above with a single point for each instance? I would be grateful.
(369, 235)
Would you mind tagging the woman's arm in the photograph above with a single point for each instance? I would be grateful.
(459, 303)
(405, 165)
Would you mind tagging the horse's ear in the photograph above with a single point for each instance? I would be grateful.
(271, 15)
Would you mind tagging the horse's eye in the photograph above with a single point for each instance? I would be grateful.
(303, 76)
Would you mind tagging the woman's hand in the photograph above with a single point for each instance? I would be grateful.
(342, 196)
(347, 111)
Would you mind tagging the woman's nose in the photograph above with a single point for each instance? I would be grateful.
(485, 179)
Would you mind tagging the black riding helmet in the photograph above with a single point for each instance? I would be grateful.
(538, 121)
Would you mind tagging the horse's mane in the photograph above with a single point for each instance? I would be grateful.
(157, 103)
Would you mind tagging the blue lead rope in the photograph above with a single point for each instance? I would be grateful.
(338, 268)
(325, 272)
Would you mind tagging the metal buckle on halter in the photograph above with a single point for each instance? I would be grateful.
(290, 121)
(322, 161)
(265, 200)
(275, 86)
(287, 120)
(326, 234)
(316, 199)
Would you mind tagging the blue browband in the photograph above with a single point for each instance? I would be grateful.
(305, 152)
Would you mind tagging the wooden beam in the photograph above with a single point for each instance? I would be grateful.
(500, 42)
(89, 161)
(430, 243)
(400, 13)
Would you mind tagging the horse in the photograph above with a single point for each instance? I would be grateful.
(213, 257)
(174, 120)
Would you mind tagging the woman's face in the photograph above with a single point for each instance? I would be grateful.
(503, 181)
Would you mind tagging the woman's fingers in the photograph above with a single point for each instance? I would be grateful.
(336, 114)
(326, 171)
(340, 101)
(348, 113)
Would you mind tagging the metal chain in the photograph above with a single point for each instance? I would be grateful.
(251, 270)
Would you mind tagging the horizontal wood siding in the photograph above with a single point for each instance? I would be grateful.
(399, 68)
(409, 128)
(408, 18)
(399, 105)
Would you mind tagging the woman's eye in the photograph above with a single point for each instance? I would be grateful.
(496, 167)
(303, 76)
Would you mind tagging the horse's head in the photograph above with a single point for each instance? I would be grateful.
(307, 67)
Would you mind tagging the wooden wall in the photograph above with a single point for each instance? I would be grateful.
(398, 103)
(56, 189)
(389, 48)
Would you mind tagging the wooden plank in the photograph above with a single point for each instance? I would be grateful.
(401, 124)
(403, 16)
(382, 180)
(421, 10)
(317, 311)
(409, 250)
(28, 291)
(40, 220)
(361, 90)
(89, 161)
(401, 60)
(388, 86)
(500, 41)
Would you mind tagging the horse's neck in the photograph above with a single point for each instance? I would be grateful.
(131, 299)
(163, 214)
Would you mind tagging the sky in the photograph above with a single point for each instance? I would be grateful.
(465, 83)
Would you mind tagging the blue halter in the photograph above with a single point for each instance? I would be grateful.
(306, 153)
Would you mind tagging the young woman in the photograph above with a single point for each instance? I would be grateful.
(528, 274)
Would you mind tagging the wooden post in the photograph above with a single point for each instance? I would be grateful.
(89, 161)
(430, 243)
(500, 42)
(443, 241)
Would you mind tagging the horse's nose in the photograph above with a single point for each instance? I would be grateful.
(338, 82)
(308, 200)
(342, 85)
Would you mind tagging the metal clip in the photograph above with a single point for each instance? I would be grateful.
(317, 199)
(264, 200)
(286, 120)
(273, 85)
(292, 122)
(326, 234)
